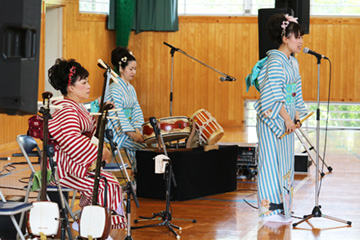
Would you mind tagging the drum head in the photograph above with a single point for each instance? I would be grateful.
(215, 137)
(196, 113)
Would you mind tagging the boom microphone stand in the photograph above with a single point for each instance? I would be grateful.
(165, 215)
(316, 212)
(225, 77)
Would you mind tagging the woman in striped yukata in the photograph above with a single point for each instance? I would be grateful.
(278, 111)
(72, 127)
(128, 125)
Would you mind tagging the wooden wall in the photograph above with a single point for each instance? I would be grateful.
(228, 44)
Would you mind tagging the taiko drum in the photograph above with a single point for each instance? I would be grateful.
(209, 130)
(171, 129)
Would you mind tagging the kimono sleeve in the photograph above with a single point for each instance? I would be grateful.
(137, 117)
(272, 85)
(117, 97)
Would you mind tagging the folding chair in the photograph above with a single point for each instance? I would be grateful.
(29, 148)
(11, 209)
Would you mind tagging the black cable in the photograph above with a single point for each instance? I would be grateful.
(326, 131)
(12, 188)
(8, 168)
(248, 202)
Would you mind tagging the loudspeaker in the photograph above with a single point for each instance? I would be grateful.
(301, 10)
(19, 59)
(264, 14)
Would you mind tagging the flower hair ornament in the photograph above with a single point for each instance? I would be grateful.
(123, 59)
(71, 73)
(287, 22)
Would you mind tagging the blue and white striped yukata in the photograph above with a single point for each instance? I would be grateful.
(280, 84)
(130, 117)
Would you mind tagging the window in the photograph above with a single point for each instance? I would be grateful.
(341, 115)
(222, 7)
(250, 7)
(328, 7)
(94, 6)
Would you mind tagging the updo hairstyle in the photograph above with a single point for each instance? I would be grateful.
(65, 73)
(275, 31)
(121, 56)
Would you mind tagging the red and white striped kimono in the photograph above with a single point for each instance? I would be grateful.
(72, 128)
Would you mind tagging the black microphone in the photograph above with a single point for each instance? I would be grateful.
(153, 123)
(227, 78)
(110, 135)
(308, 51)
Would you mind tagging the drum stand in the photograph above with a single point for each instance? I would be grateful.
(316, 212)
(166, 215)
(129, 187)
(300, 135)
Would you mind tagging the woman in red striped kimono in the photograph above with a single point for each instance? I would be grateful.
(72, 127)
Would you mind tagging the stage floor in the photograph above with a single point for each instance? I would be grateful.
(232, 215)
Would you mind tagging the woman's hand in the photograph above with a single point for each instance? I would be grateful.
(106, 155)
(136, 136)
(290, 125)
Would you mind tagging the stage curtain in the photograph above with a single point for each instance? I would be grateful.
(141, 15)
(120, 19)
(156, 15)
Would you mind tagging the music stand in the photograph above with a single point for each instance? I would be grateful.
(166, 215)
(316, 212)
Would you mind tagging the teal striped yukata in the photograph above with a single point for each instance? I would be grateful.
(130, 117)
(279, 84)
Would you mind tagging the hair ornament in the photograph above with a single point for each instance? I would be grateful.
(71, 73)
(124, 59)
(287, 22)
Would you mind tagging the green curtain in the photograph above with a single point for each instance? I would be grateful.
(141, 15)
(156, 15)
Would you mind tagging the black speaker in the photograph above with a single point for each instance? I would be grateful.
(301, 10)
(19, 60)
(265, 44)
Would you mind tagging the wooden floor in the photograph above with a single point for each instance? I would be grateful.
(233, 215)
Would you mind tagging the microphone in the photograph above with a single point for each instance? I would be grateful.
(227, 78)
(110, 135)
(308, 51)
(153, 123)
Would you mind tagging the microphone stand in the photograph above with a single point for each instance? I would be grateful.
(172, 51)
(129, 186)
(316, 212)
(50, 151)
(166, 215)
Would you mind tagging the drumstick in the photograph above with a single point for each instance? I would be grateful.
(301, 121)
(114, 75)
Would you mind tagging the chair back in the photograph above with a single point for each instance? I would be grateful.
(29, 148)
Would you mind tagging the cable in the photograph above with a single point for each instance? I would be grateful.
(326, 130)
(248, 202)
